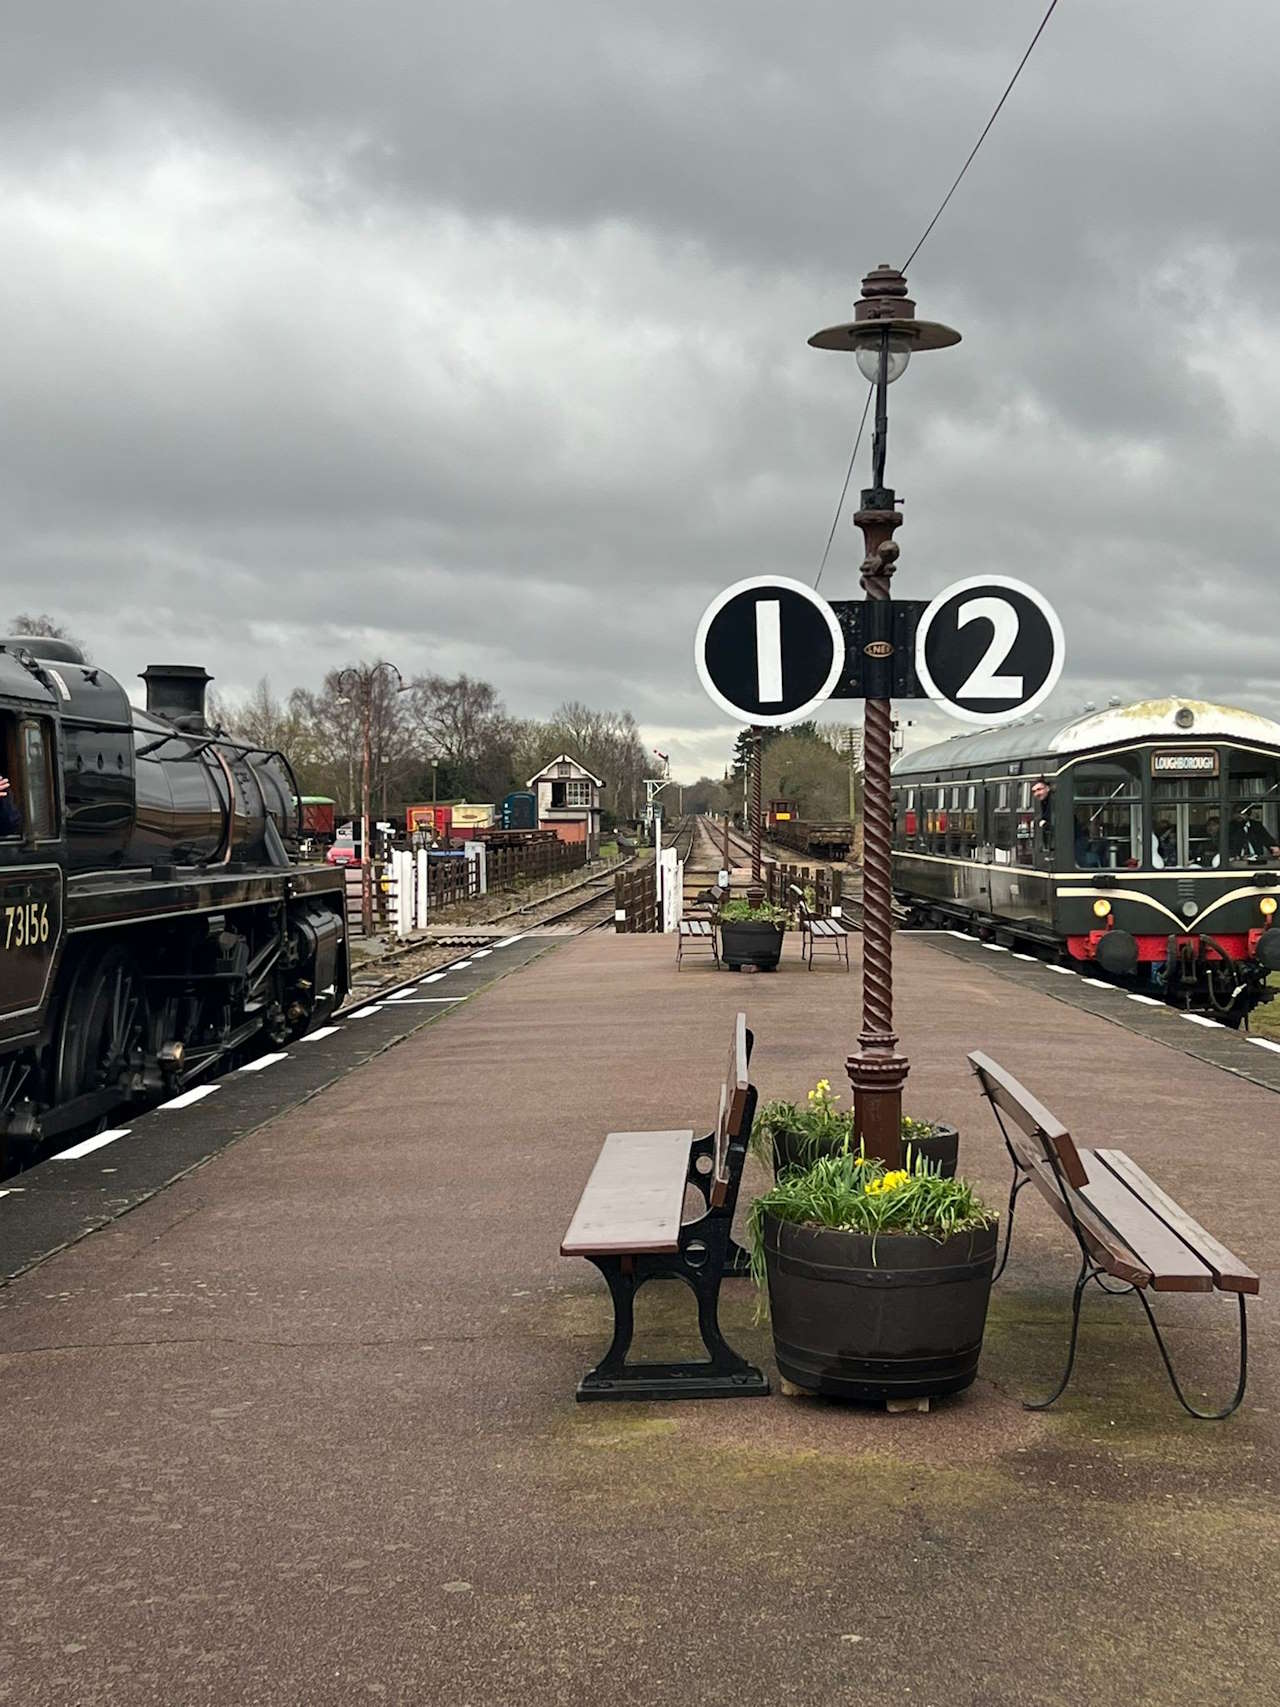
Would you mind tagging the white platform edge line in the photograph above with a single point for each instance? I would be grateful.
(87, 1146)
(186, 1098)
(263, 1061)
(324, 1031)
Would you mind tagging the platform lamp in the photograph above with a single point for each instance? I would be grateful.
(883, 336)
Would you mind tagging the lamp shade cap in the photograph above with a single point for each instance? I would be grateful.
(866, 333)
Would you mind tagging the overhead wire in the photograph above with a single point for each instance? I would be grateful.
(853, 457)
(942, 207)
(924, 235)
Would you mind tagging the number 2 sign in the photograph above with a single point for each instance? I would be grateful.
(989, 649)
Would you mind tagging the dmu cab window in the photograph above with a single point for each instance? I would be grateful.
(1106, 813)
(1253, 823)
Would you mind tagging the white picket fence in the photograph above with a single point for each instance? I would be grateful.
(403, 889)
(670, 889)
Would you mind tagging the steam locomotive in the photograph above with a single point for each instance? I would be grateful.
(153, 918)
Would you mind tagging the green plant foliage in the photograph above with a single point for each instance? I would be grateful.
(855, 1193)
(742, 912)
(816, 1130)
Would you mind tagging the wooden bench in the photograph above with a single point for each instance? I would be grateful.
(630, 1223)
(1126, 1227)
(814, 930)
(698, 924)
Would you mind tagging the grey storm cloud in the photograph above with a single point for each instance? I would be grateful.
(475, 335)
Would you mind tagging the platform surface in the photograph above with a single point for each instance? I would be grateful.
(301, 1429)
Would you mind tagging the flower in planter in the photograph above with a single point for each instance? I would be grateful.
(853, 1192)
(821, 1128)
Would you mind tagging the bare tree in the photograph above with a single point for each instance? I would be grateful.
(45, 627)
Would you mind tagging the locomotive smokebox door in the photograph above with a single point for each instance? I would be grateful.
(30, 934)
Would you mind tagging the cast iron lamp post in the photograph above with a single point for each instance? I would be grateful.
(365, 675)
(883, 335)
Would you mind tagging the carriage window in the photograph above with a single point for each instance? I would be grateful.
(1002, 828)
(1107, 813)
(1253, 825)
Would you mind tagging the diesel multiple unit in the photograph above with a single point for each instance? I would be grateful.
(1142, 840)
(153, 918)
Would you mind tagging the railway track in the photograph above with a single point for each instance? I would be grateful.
(708, 860)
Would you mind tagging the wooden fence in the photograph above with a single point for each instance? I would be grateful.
(635, 899)
(827, 885)
(526, 861)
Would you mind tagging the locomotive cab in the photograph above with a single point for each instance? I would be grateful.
(153, 918)
(31, 874)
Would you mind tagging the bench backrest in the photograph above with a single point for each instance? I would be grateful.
(735, 1116)
(1034, 1135)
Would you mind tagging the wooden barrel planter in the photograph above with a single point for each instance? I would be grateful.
(941, 1149)
(899, 1316)
(750, 942)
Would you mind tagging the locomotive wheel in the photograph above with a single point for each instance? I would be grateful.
(102, 1024)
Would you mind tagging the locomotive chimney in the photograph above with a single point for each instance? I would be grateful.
(176, 693)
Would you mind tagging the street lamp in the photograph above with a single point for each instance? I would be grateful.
(883, 335)
(362, 677)
(435, 770)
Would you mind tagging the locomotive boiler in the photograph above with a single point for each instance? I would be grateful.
(154, 920)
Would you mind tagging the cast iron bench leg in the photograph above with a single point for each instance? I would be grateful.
(725, 1375)
(1085, 1275)
(1203, 1416)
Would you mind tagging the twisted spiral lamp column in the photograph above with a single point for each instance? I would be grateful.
(878, 1072)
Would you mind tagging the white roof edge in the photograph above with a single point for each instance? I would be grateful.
(1152, 718)
(561, 758)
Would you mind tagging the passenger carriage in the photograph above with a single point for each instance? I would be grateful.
(1144, 840)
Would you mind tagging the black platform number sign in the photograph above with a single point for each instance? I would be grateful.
(769, 650)
(989, 649)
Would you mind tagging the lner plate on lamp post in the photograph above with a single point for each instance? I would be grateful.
(769, 650)
(989, 649)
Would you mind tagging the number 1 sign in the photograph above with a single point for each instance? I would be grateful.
(989, 649)
(769, 650)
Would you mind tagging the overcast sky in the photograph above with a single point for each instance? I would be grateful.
(474, 335)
